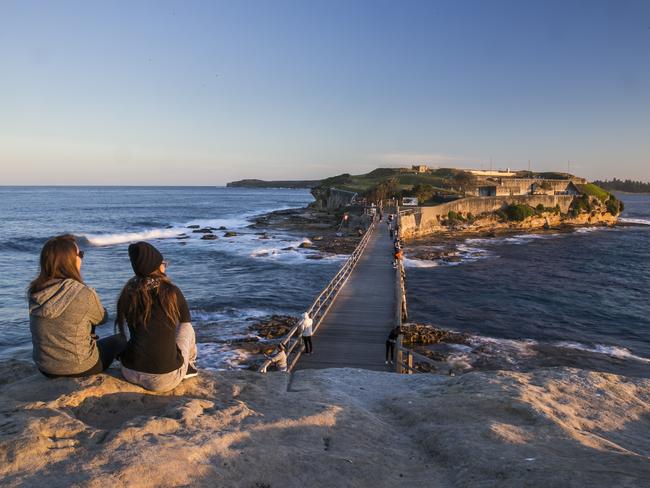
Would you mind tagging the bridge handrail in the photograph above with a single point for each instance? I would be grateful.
(401, 311)
(323, 302)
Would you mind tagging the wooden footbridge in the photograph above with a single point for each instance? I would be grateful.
(355, 312)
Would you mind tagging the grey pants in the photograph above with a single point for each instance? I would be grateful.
(186, 342)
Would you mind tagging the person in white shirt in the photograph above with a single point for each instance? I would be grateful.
(305, 329)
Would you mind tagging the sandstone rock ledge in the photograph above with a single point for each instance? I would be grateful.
(327, 428)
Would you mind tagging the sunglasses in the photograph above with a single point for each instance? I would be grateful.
(165, 263)
(81, 254)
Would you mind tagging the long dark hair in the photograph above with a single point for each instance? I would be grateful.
(58, 261)
(138, 297)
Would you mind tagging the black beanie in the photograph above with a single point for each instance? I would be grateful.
(145, 259)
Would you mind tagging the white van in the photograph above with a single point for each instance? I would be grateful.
(409, 202)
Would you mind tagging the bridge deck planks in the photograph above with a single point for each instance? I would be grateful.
(353, 333)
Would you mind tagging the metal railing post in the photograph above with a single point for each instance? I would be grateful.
(398, 355)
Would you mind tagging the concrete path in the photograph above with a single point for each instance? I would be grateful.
(353, 333)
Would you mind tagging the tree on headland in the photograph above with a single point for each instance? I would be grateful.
(383, 190)
(630, 186)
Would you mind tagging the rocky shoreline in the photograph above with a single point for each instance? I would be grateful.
(455, 353)
(322, 228)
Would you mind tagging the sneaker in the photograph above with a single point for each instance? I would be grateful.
(191, 372)
(386, 362)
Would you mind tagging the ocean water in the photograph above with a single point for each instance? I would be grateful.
(587, 290)
(227, 282)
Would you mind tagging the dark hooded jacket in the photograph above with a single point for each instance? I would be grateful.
(61, 318)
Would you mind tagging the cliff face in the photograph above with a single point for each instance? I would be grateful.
(331, 198)
(521, 212)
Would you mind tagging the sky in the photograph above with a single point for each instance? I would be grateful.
(202, 93)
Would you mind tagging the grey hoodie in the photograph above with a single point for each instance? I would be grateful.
(61, 317)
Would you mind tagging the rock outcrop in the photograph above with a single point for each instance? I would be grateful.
(326, 428)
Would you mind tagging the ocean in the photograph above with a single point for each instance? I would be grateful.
(584, 290)
(228, 282)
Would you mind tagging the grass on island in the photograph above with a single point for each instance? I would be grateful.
(439, 179)
(594, 191)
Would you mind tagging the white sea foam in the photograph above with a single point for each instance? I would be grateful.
(630, 220)
(228, 314)
(589, 230)
(523, 347)
(420, 263)
(124, 237)
(219, 357)
(612, 351)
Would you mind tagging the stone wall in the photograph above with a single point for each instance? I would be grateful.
(520, 186)
(427, 220)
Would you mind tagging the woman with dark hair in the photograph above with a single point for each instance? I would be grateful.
(162, 345)
(63, 313)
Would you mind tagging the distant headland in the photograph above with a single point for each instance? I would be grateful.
(252, 183)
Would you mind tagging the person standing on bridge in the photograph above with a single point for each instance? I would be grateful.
(305, 329)
(390, 344)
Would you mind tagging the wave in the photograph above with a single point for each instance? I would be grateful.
(229, 314)
(589, 230)
(172, 231)
(631, 220)
(420, 263)
(611, 351)
(124, 237)
(220, 357)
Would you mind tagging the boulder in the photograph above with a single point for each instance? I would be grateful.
(230, 233)
(209, 237)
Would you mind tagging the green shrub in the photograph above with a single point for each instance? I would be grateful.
(518, 212)
(455, 216)
(502, 215)
(614, 206)
(540, 207)
(581, 204)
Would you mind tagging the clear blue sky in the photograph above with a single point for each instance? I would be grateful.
(206, 92)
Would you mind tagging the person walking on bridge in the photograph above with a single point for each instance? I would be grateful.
(305, 329)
